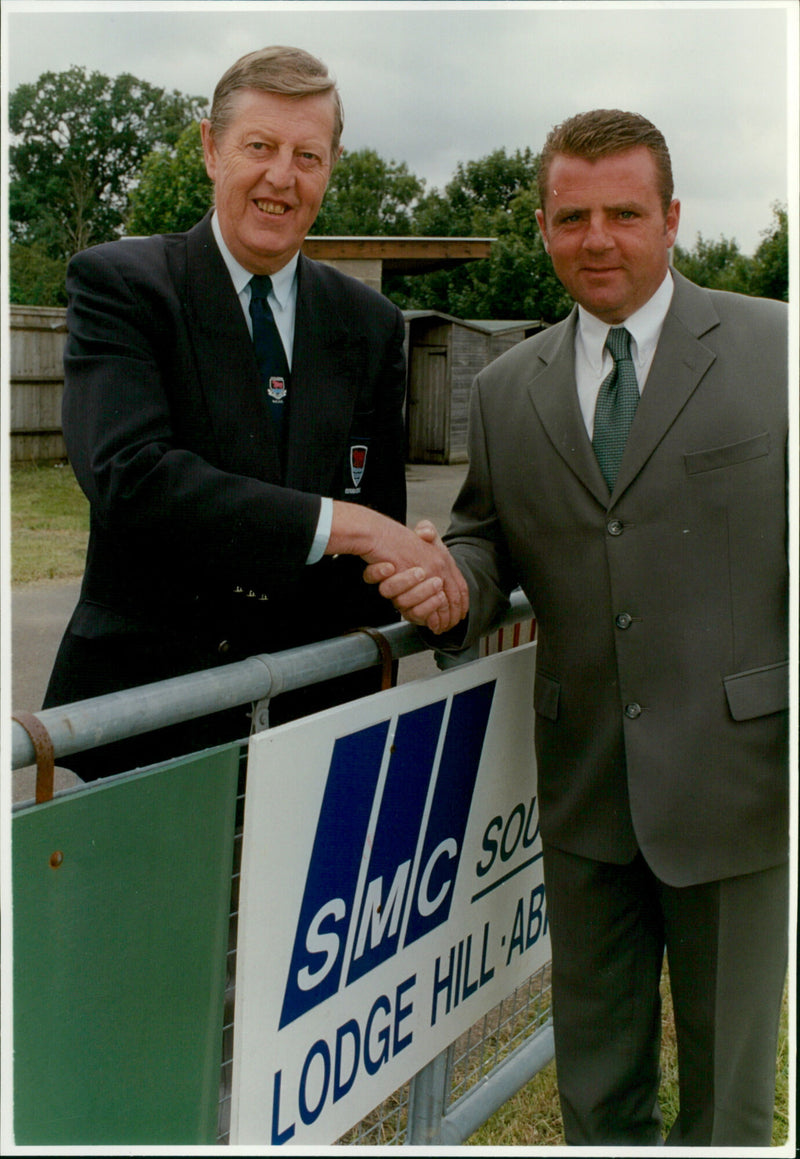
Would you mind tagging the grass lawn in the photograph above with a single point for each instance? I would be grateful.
(532, 1119)
(49, 523)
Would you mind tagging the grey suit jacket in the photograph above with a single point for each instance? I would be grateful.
(661, 689)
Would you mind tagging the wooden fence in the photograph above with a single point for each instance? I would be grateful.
(36, 376)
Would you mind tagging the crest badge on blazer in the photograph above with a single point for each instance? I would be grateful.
(358, 460)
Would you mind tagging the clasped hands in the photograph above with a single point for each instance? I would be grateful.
(433, 592)
(412, 568)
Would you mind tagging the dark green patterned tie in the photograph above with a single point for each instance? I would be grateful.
(616, 406)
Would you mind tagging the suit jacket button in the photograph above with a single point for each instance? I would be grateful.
(223, 647)
(614, 527)
(623, 620)
(633, 710)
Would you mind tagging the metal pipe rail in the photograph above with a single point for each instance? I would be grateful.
(118, 715)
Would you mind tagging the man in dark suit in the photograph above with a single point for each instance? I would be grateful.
(657, 571)
(240, 442)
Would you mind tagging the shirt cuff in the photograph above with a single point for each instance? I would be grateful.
(323, 532)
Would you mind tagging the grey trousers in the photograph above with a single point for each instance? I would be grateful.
(726, 946)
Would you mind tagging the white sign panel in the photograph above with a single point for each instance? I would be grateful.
(391, 894)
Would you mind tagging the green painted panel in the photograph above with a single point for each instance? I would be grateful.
(121, 895)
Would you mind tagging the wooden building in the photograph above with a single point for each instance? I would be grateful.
(36, 375)
(444, 355)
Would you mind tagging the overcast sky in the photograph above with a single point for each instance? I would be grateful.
(434, 84)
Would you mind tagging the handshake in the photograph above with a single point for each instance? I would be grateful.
(413, 568)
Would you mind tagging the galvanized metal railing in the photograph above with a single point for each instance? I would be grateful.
(451, 1097)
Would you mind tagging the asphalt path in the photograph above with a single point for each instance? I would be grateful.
(41, 611)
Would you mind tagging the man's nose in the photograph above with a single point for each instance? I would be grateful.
(280, 172)
(597, 236)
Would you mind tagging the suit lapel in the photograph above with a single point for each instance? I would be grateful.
(327, 367)
(680, 362)
(553, 393)
(226, 366)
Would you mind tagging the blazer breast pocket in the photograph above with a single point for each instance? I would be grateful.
(716, 457)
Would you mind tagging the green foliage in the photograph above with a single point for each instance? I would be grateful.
(492, 197)
(770, 272)
(174, 191)
(718, 265)
(36, 279)
(78, 143)
(368, 196)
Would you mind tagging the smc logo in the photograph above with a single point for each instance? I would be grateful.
(387, 845)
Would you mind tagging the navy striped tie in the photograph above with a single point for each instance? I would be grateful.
(617, 401)
(270, 354)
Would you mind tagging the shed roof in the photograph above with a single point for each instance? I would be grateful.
(484, 325)
(401, 255)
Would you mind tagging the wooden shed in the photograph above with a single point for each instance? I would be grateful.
(444, 355)
(36, 373)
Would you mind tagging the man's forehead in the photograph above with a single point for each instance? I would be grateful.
(630, 174)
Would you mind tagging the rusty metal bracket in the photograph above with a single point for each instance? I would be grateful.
(385, 649)
(45, 755)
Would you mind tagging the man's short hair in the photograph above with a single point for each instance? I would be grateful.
(277, 69)
(602, 133)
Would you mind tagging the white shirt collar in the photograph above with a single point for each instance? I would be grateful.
(644, 326)
(282, 280)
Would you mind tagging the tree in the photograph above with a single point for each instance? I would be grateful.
(174, 190)
(770, 273)
(79, 140)
(718, 265)
(368, 196)
(36, 279)
(482, 192)
(495, 196)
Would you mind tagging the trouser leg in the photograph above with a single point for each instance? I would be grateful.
(727, 951)
(607, 949)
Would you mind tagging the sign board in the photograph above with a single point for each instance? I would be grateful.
(391, 894)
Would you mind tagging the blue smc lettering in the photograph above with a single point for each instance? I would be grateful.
(318, 952)
(409, 878)
(447, 824)
(396, 836)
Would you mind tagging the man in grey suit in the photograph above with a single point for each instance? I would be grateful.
(656, 565)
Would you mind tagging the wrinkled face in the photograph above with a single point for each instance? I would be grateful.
(605, 229)
(270, 169)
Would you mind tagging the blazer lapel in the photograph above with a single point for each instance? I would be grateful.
(226, 366)
(327, 367)
(680, 362)
(553, 393)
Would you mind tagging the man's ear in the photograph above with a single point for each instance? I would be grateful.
(209, 148)
(542, 229)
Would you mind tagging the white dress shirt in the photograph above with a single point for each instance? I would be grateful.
(593, 362)
(282, 299)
